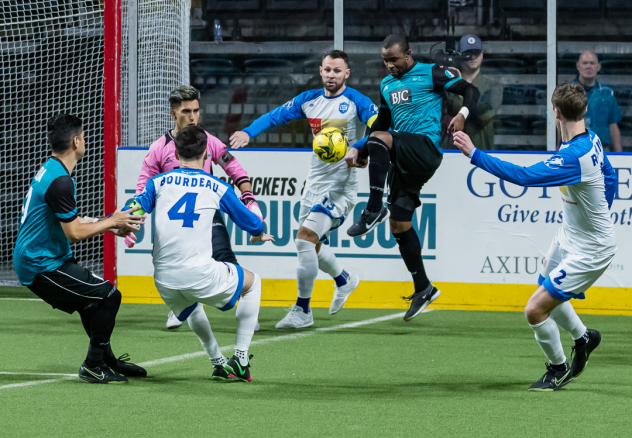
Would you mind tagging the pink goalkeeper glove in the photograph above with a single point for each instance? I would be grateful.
(249, 201)
(130, 240)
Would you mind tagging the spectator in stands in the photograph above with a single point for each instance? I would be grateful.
(481, 128)
(603, 112)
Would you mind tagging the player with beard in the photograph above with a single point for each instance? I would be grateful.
(185, 110)
(411, 98)
(330, 189)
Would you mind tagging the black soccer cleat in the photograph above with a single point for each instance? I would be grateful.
(220, 374)
(242, 372)
(367, 222)
(123, 366)
(553, 380)
(580, 353)
(419, 301)
(100, 374)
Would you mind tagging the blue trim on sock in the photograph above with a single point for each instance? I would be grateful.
(342, 279)
(303, 303)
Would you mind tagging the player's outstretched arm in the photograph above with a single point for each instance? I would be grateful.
(263, 237)
(289, 111)
(561, 169)
(239, 139)
(125, 221)
(239, 214)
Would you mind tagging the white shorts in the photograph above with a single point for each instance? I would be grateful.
(222, 294)
(566, 275)
(324, 212)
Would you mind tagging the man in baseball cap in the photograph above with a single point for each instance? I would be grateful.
(480, 129)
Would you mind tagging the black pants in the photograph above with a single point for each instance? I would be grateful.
(71, 288)
(222, 252)
(414, 160)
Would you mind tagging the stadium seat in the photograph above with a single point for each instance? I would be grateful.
(565, 66)
(291, 4)
(616, 66)
(268, 65)
(510, 125)
(231, 5)
(619, 4)
(504, 66)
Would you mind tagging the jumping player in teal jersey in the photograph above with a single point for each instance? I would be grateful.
(411, 98)
(43, 259)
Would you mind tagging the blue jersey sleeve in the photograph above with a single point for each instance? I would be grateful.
(244, 218)
(289, 111)
(147, 198)
(610, 178)
(561, 169)
(366, 109)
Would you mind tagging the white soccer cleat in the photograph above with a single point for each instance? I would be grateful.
(173, 322)
(342, 293)
(257, 327)
(296, 318)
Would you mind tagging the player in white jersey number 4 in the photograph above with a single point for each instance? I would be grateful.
(184, 202)
(330, 189)
(585, 244)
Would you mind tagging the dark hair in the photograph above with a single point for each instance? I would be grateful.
(337, 54)
(191, 142)
(571, 100)
(62, 128)
(400, 40)
(185, 93)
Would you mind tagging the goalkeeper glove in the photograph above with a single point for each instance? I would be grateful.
(248, 200)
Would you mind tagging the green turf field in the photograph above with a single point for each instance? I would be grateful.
(447, 373)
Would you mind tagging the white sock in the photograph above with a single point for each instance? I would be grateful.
(247, 315)
(327, 261)
(566, 317)
(307, 269)
(548, 336)
(198, 321)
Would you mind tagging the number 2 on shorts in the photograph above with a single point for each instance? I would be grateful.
(559, 279)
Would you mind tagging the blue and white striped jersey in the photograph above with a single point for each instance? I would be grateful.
(587, 184)
(184, 202)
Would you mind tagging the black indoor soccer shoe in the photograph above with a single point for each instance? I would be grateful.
(220, 374)
(100, 374)
(580, 353)
(242, 372)
(553, 380)
(419, 301)
(367, 222)
(123, 366)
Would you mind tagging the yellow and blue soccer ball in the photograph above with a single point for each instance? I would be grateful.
(330, 145)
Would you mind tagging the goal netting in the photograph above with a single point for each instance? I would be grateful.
(162, 65)
(52, 61)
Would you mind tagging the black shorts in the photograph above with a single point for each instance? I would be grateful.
(414, 160)
(71, 287)
(222, 252)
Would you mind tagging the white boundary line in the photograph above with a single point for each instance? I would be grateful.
(203, 353)
(21, 299)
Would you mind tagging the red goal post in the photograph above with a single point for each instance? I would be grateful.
(111, 123)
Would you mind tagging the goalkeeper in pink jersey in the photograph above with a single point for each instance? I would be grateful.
(185, 110)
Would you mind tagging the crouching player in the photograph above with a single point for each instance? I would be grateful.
(585, 244)
(185, 201)
(185, 111)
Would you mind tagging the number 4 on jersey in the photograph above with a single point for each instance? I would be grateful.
(188, 216)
